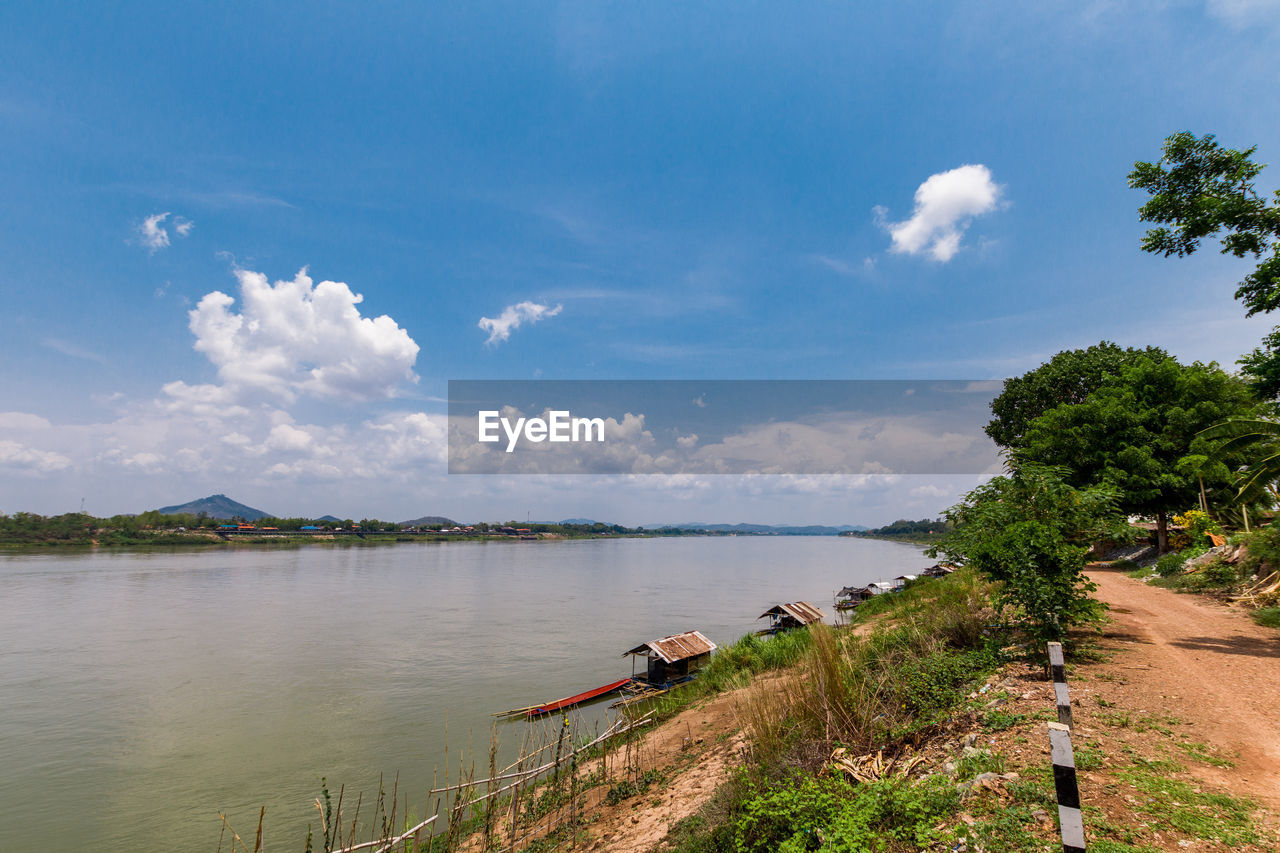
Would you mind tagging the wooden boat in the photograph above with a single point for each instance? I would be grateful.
(567, 702)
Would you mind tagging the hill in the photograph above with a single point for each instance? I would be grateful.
(216, 506)
(432, 521)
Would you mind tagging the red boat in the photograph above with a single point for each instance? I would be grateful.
(569, 702)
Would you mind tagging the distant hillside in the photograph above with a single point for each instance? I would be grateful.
(216, 506)
(432, 521)
(328, 518)
(767, 529)
(586, 521)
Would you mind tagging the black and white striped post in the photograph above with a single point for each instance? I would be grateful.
(1058, 668)
(1070, 820)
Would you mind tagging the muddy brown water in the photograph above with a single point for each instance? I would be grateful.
(143, 692)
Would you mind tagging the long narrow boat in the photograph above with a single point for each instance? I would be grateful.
(578, 699)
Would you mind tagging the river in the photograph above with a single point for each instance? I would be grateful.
(142, 692)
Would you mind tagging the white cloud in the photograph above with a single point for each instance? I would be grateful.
(21, 457)
(23, 421)
(944, 206)
(512, 317)
(293, 337)
(154, 236)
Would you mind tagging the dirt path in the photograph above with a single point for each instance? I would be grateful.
(1207, 664)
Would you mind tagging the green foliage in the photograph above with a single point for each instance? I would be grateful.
(1268, 617)
(999, 721)
(1202, 189)
(829, 814)
(977, 763)
(1028, 532)
(1170, 564)
(1261, 367)
(1171, 804)
(1066, 379)
(1260, 438)
(1140, 434)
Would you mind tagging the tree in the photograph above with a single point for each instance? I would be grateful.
(1262, 367)
(1030, 531)
(1069, 377)
(1257, 479)
(1202, 189)
(1139, 433)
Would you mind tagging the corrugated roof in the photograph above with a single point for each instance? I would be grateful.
(802, 611)
(676, 647)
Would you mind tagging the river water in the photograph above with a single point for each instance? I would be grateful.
(143, 692)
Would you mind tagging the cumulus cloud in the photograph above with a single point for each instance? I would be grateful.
(297, 337)
(23, 458)
(154, 236)
(512, 317)
(945, 204)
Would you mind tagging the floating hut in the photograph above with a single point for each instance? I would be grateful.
(850, 597)
(902, 580)
(797, 614)
(673, 658)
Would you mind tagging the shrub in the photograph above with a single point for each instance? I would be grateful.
(1170, 564)
(831, 814)
(1030, 531)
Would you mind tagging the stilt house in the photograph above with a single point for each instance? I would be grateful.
(673, 658)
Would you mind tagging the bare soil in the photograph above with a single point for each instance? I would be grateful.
(1207, 664)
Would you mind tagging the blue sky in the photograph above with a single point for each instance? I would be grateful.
(624, 191)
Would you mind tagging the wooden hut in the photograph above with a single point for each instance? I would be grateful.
(797, 614)
(672, 659)
(851, 596)
(939, 570)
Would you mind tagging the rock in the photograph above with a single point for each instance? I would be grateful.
(949, 768)
(970, 739)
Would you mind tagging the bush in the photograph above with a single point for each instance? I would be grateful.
(1170, 564)
(832, 815)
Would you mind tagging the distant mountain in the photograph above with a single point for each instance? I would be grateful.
(432, 521)
(766, 529)
(216, 506)
(586, 521)
(328, 518)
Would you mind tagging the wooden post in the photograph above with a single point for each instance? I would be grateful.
(1058, 669)
(1070, 819)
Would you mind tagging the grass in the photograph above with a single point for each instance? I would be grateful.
(1172, 805)
(1205, 754)
(862, 691)
(1268, 617)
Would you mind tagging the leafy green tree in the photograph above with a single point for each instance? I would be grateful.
(1203, 189)
(1069, 377)
(1262, 366)
(1257, 479)
(1140, 433)
(1030, 531)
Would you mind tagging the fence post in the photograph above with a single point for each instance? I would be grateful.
(1058, 668)
(1070, 820)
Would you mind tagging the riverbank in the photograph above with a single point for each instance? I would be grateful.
(1175, 747)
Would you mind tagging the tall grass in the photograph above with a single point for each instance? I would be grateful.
(863, 690)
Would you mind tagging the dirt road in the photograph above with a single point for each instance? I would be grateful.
(1207, 664)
